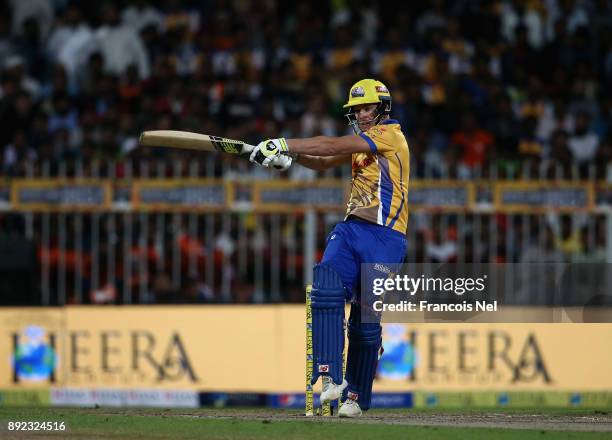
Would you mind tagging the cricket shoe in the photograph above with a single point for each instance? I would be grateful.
(331, 391)
(350, 408)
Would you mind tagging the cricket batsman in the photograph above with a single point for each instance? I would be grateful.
(373, 231)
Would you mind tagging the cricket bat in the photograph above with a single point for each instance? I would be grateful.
(193, 141)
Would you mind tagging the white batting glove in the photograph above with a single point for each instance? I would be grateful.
(266, 151)
(282, 162)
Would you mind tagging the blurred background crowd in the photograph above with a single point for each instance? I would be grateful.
(473, 82)
(517, 89)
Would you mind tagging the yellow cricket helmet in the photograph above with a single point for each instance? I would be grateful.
(368, 91)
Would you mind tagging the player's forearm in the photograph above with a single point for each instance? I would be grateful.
(320, 163)
(314, 146)
(313, 162)
(327, 146)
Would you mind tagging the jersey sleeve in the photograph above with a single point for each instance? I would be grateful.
(381, 139)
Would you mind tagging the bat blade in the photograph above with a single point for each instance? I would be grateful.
(192, 141)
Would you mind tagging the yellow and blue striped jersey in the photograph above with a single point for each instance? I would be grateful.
(379, 190)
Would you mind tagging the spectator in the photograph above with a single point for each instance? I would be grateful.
(16, 154)
(315, 121)
(15, 72)
(17, 116)
(459, 50)
(435, 17)
(559, 162)
(583, 143)
(140, 14)
(120, 45)
(530, 148)
(440, 248)
(554, 117)
(394, 54)
(72, 42)
(41, 11)
(473, 142)
(64, 116)
(577, 15)
(344, 51)
(29, 46)
(519, 58)
(504, 126)
(522, 13)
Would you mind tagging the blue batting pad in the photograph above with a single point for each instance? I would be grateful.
(364, 344)
(327, 323)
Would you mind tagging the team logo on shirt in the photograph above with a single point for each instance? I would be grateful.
(362, 163)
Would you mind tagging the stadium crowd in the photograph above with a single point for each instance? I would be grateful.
(473, 82)
(503, 89)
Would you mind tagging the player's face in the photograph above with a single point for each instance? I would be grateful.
(365, 115)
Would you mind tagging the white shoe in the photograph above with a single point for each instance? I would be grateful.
(331, 391)
(350, 408)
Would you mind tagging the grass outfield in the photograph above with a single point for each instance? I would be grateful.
(117, 423)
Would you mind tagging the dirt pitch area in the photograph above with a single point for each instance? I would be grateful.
(265, 424)
(594, 420)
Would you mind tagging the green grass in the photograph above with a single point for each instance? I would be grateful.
(113, 423)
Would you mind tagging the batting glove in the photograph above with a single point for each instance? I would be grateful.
(267, 150)
(282, 162)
